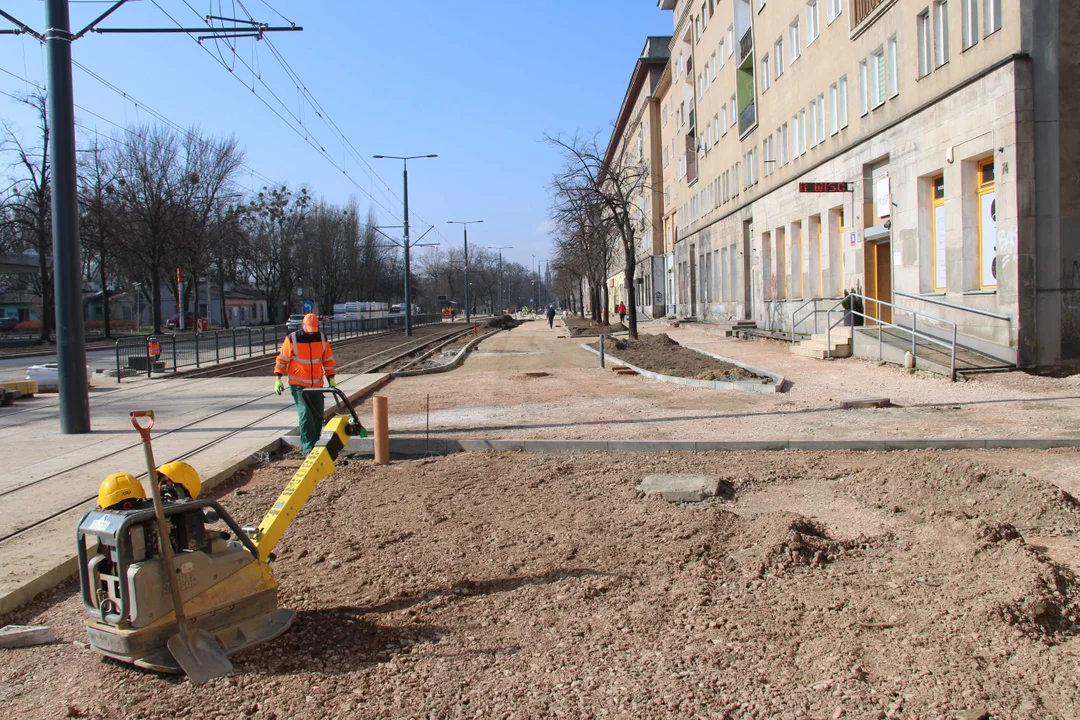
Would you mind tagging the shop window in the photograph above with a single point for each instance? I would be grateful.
(937, 231)
(987, 226)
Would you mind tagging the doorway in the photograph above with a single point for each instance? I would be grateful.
(879, 279)
(693, 281)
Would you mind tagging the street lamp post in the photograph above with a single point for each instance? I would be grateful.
(502, 305)
(465, 226)
(405, 175)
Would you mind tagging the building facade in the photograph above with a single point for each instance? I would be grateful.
(910, 150)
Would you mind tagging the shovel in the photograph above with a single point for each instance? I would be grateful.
(196, 651)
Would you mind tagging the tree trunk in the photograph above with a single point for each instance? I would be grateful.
(607, 301)
(155, 301)
(106, 314)
(631, 297)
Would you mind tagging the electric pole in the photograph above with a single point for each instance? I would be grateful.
(465, 225)
(502, 305)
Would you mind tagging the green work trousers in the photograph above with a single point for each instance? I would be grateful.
(311, 421)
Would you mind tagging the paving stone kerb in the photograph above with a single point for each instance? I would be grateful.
(456, 362)
(776, 386)
(407, 446)
(680, 488)
(19, 636)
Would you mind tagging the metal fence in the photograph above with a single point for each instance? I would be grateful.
(171, 352)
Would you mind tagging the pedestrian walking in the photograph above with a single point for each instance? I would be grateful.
(622, 312)
(305, 359)
(551, 316)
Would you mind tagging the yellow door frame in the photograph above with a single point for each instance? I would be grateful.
(935, 203)
(985, 188)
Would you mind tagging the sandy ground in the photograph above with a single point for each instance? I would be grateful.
(835, 585)
(490, 396)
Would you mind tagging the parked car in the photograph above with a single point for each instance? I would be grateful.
(7, 324)
(173, 323)
(294, 322)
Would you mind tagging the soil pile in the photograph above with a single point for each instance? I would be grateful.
(661, 354)
(500, 585)
(504, 322)
(580, 327)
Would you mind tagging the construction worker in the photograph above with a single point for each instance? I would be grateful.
(304, 360)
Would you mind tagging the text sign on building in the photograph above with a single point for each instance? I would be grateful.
(826, 187)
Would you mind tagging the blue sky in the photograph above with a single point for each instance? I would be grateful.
(479, 82)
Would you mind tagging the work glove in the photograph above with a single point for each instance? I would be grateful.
(279, 386)
(331, 381)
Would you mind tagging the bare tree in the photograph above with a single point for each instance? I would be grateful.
(276, 219)
(99, 222)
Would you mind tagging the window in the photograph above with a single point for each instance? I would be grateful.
(813, 123)
(704, 17)
(796, 42)
(697, 27)
(987, 226)
(716, 128)
(969, 23)
(937, 231)
(833, 108)
(711, 7)
(821, 117)
(843, 105)
(730, 40)
(766, 78)
(723, 120)
(707, 81)
(864, 97)
(734, 114)
(813, 22)
(991, 17)
(785, 152)
(941, 32)
(713, 63)
(922, 26)
(894, 74)
(833, 10)
(700, 86)
(723, 55)
(802, 132)
(778, 57)
(760, 5)
(795, 136)
(877, 78)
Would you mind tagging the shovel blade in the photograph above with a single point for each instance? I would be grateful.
(200, 655)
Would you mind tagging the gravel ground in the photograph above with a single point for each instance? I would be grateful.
(490, 396)
(836, 585)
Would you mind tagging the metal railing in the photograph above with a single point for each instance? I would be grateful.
(954, 306)
(795, 322)
(747, 117)
(170, 352)
(863, 9)
(912, 331)
(746, 44)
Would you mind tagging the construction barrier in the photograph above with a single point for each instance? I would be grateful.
(172, 352)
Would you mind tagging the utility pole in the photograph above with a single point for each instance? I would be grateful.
(502, 305)
(74, 406)
(465, 226)
(67, 278)
(408, 267)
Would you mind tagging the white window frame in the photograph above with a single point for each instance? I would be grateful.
(734, 111)
(723, 120)
(925, 37)
(785, 147)
(834, 109)
(833, 10)
(864, 90)
(795, 39)
(713, 63)
(730, 40)
(878, 81)
(802, 131)
(941, 32)
(892, 88)
(766, 78)
(813, 21)
(843, 104)
(821, 118)
(778, 55)
(795, 136)
(811, 140)
(704, 17)
(991, 17)
(969, 24)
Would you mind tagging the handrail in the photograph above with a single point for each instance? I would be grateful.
(915, 334)
(797, 310)
(954, 306)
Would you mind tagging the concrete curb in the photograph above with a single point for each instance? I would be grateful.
(458, 360)
(410, 446)
(70, 567)
(775, 387)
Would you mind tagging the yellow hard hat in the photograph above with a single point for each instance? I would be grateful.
(181, 474)
(119, 489)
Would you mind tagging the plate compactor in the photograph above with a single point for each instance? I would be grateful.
(226, 586)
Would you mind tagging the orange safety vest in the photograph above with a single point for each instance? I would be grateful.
(305, 362)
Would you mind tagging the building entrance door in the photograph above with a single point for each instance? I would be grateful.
(693, 281)
(878, 264)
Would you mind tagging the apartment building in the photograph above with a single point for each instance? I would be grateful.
(911, 150)
(636, 142)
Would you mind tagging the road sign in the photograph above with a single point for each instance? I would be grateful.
(309, 306)
(826, 187)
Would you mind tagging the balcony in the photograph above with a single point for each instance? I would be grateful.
(863, 9)
(691, 159)
(746, 44)
(747, 118)
(690, 125)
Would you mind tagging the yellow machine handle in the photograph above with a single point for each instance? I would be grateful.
(318, 466)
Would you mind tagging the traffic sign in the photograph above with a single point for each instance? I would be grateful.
(309, 306)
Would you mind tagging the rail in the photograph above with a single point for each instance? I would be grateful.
(954, 306)
(913, 330)
(864, 9)
(812, 301)
(170, 352)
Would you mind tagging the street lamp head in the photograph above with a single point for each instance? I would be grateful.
(431, 156)
(379, 157)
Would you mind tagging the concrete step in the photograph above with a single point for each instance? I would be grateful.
(820, 353)
(822, 345)
(838, 335)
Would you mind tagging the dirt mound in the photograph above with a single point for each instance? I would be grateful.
(580, 327)
(504, 322)
(660, 354)
(966, 490)
(774, 543)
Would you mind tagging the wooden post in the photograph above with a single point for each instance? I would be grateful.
(382, 430)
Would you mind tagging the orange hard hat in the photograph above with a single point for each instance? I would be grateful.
(311, 323)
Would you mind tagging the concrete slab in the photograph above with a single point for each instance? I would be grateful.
(18, 636)
(862, 403)
(680, 488)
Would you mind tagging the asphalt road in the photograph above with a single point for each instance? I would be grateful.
(15, 368)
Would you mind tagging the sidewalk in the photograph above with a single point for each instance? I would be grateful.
(491, 396)
(215, 424)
